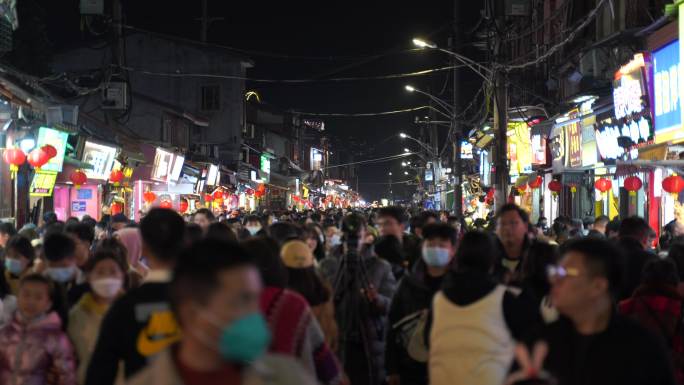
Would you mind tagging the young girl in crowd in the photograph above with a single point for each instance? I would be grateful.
(33, 346)
(106, 276)
(19, 256)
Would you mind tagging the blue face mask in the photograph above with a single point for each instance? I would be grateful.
(335, 240)
(245, 340)
(14, 266)
(60, 274)
(436, 256)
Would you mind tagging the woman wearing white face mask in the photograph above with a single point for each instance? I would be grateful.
(106, 275)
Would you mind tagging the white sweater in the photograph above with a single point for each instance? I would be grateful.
(470, 345)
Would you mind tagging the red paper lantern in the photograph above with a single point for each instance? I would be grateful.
(603, 185)
(208, 197)
(50, 150)
(296, 198)
(37, 158)
(149, 197)
(78, 178)
(15, 158)
(633, 184)
(536, 182)
(261, 188)
(249, 191)
(184, 205)
(165, 204)
(555, 186)
(673, 184)
(116, 208)
(116, 176)
(218, 195)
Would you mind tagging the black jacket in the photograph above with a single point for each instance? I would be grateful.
(137, 326)
(413, 295)
(635, 259)
(624, 354)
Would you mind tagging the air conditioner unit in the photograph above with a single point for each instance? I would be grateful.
(62, 115)
(114, 96)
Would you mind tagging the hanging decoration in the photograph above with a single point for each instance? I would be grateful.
(149, 197)
(78, 178)
(218, 195)
(208, 198)
(673, 184)
(165, 204)
(50, 150)
(184, 205)
(115, 177)
(521, 189)
(555, 187)
(633, 184)
(15, 158)
(535, 183)
(37, 158)
(603, 185)
(573, 189)
(261, 189)
(116, 208)
(249, 191)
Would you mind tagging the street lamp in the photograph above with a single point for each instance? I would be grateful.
(446, 106)
(423, 43)
(404, 164)
(406, 173)
(470, 63)
(402, 135)
(390, 174)
(407, 150)
(409, 88)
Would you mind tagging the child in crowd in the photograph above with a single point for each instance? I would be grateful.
(33, 346)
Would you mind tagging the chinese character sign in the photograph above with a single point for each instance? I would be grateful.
(667, 104)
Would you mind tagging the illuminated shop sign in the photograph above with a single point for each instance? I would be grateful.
(667, 109)
(608, 134)
(101, 157)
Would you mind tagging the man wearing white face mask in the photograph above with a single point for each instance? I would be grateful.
(106, 275)
(253, 226)
(410, 306)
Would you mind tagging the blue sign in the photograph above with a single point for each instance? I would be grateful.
(78, 206)
(85, 193)
(667, 105)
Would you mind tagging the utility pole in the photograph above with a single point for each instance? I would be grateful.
(501, 177)
(501, 122)
(457, 166)
(206, 21)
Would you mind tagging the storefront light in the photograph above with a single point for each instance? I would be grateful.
(27, 143)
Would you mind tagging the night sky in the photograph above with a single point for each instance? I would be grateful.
(321, 40)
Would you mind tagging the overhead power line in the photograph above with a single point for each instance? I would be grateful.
(291, 81)
(351, 115)
(377, 160)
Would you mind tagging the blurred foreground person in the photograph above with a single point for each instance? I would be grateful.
(591, 344)
(215, 297)
(140, 324)
(33, 346)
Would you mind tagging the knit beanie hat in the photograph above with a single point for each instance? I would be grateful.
(297, 255)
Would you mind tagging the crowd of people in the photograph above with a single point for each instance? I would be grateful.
(382, 296)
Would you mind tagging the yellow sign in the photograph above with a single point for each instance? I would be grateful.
(43, 184)
(519, 148)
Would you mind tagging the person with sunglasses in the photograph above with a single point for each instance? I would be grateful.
(591, 344)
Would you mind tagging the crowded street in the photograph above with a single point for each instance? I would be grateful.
(483, 192)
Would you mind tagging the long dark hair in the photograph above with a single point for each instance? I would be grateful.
(307, 283)
(266, 255)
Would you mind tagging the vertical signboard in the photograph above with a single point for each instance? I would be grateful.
(667, 110)
(574, 141)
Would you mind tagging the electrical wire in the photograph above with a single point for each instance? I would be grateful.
(291, 81)
(377, 160)
(383, 113)
(571, 36)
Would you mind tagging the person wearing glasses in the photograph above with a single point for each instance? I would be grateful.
(591, 344)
